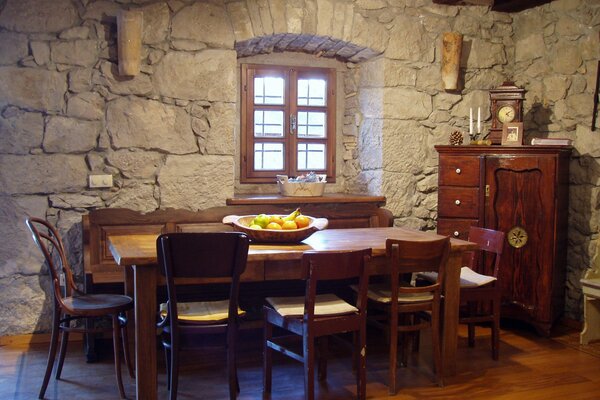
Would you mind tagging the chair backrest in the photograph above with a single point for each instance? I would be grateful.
(407, 256)
(48, 240)
(335, 265)
(490, 242)
(216, 256)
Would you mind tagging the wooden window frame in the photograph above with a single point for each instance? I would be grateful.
(290, 141)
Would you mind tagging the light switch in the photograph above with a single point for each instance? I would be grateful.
(100, 181)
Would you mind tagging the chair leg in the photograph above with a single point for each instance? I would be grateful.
(267, 357)
(472, 310)
(322, 345)
(436, 345)
(174, 368)
(361, 354)
(126, 352)
(117, 353)
(168, 366)
(393, 353)
(51, 351)
(64, 340)
(231, 363)
(309, 366)
(496, 328)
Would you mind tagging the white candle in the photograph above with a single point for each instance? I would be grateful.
(470, 121)
(478, 119)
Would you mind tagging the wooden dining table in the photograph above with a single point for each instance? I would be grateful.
(271, 262)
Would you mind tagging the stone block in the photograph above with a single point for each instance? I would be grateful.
(13, 47)
(70, 135)
(41, 52)
(86, 105)
(45, 174)
(530, 47)
(195, 182)
(369, 33)
(409, 41)
(78, 32)
(32, 89)
(140, 84)
(156, 23)
(240, 20)
(206, 75)
(136, 164)
(565, 58)
(147, 124)
(82, 53)
(80, 80)
(203, 22)
(38, 15)
(21, 132)
(138, 196)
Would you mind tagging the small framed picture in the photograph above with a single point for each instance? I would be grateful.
(512, 134)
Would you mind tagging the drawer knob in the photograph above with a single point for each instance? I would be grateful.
(458, 171)
(457, 202)
(456, 233)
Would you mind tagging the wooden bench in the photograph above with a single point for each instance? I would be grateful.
(342, 211)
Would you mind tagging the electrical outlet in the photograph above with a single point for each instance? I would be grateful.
(100, 181)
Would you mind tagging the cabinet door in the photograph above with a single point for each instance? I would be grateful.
(521, 193)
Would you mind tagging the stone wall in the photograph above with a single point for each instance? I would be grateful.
(555, 49)
(169, 136)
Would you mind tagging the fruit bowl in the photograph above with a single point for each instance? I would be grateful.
(240, 224)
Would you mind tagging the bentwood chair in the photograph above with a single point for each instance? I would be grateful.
(72, 305)
(315, 316)
(216, 257)
(480, 294)
(402, 309)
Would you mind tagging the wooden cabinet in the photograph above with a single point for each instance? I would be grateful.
(522, 191)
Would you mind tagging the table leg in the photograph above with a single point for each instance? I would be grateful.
(145, 332)
(450, 317)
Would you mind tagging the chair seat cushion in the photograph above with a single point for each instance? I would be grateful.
(382, 294)
(325, 304)
(208, 312)
(98, 302)
(468, 277)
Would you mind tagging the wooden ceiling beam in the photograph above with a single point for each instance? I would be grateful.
(496, 5)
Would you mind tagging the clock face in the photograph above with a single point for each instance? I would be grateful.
(506, 114)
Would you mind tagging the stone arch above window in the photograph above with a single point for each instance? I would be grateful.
(323, 46)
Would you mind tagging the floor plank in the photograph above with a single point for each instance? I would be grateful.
(530, 367)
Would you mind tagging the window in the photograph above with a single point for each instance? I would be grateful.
(288, 122)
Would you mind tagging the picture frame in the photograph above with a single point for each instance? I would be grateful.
(512, 134)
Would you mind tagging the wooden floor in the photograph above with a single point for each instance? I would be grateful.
(530, 367)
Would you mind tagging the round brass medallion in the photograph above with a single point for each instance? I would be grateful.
(517, 237)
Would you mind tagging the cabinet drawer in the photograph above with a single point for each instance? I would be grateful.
(458, 202)
(458, 171)
(454, 227)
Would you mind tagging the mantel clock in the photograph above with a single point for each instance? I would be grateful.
(506, 103)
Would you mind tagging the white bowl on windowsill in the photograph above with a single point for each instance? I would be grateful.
(301, 189)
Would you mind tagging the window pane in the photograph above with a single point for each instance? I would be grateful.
(311, 124)
(268, 90)
(268, 123)
(311, 92)
(268, 156)
(311, 156)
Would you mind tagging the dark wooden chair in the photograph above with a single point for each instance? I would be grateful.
(315, 316)
(72, 305)
(217, 257)
(478, 289)
(402, 309)
(480, 292)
